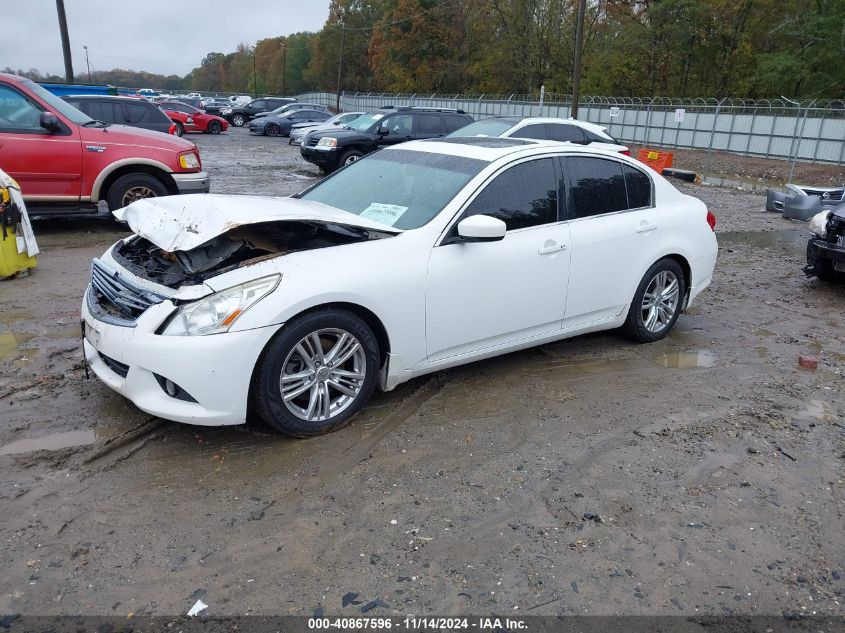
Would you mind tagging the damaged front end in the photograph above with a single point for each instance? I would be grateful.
(801, 202)
(826, 249)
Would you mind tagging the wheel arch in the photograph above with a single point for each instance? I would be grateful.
(108, 176)
(687, 270)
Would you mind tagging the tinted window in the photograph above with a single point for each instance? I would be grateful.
(485, 127)
(639, 187)
(454, 123)
(558, 132)
(92, 109)
(137, 112)
(596, 187)
(537, 131)
(177, 107)
(17, 112)
(525, 195)
(429, 125)
(258, 105)
(113, 112)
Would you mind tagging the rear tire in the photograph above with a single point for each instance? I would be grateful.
(323, 386)
(180, 129)
(131, 187)
(657, 302)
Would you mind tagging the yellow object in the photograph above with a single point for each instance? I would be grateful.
(653, 155)
(12, 262)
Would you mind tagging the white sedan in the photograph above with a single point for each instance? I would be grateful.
(419, 257)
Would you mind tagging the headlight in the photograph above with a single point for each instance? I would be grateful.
(226, 111)
(218, 312)
(327, 141)
(818, 224)
(189, 161)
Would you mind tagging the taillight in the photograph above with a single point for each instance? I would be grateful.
(711, 220)
(627, 152)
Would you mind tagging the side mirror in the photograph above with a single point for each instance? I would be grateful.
(49, 122)
(481, 228)
(383, 131)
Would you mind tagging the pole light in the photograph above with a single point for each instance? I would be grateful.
(87, 64)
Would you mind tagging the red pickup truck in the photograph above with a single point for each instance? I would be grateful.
(67, 163)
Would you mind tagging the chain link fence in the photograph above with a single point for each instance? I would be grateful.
(811, 131)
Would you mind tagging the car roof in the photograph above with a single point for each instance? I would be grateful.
(568, 121)
(493, 148)
(108, 97)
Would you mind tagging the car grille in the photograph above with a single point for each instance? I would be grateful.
(115, 299)
(119, 368)
(833, 195)
(311, 141)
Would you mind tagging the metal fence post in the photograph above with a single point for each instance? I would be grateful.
(800, 138)
(712, 133)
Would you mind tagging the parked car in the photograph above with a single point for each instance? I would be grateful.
(123, 111)
(299, 130)
(243, 114)
(240, 99)
(294, 106)
(66, 162)
(194, 95)
(826, 247)
(332, 149)
(195, 120)
(280, 125)
(194, 103)
(215, 104)
(544, 128)
(418, 258)
(148, 92)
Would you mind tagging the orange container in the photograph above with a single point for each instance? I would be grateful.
(658, 161)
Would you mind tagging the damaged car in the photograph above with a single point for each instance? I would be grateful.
(801, 202)
(418, 258)
(826, 248)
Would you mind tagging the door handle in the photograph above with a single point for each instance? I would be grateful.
(551, 248)
(646, 227)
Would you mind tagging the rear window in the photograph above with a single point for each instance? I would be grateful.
(597, 186)
(638, 186)
(486, 127)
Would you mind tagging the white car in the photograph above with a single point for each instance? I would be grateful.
(419, 257)
(299, 130)
(544, 128)
(239, 100)
(194, 95)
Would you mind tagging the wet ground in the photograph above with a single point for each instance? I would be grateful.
(699, 475)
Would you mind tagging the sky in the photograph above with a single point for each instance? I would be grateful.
(169, 37)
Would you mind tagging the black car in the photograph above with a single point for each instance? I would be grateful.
(826, 249)
(280, 125)
(214, 105)
(332, 149)
(241, 115)
(122, 111)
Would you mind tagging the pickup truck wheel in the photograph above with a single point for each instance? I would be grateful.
(238, 120)
(131, 187)
(180, 129)
(214, 127)
(317, 373)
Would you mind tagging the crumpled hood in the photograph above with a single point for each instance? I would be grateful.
(181, 223)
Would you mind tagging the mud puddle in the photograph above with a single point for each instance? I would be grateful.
(56, 441)
(786, 239)
(686, 360)
(12, 344)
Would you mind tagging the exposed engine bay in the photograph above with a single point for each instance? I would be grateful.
(240, 246)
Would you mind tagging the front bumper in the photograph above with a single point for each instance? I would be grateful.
(214, 370)
(198, 182)
(324, 158)
(819, 249)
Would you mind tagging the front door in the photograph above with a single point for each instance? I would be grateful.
(47, 166)
(482, 295)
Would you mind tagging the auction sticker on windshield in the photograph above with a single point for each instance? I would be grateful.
(387, 214)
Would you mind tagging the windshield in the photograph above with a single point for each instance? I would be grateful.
(400, 188)
(58, 105)
(364, 123)
(486, 127)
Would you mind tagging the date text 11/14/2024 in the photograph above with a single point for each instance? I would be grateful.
(413, 623)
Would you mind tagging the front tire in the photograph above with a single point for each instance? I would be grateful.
(272, 130)
(131, 187)
(238, 120)
(317, 373)
(350, 157)
(657, 302)
(214, 127)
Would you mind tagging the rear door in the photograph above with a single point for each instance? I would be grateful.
(429, 125)
(47, 166)
(615, 230)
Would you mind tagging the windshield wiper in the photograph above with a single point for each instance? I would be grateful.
(93, 122)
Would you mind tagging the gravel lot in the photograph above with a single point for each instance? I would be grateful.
(699, 475)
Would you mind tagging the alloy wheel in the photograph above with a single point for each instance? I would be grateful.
(660, 301)
(137, 193)
(323, 374)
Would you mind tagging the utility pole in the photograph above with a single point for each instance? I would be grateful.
(284, 68)
(254, 75)
(576, 70)
(340, 64)
(87, 64)
(60, 8)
